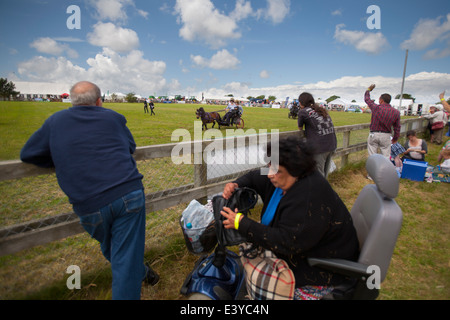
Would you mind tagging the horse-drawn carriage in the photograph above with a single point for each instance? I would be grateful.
(232, 118)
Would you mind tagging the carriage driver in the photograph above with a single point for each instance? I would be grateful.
(232, 110)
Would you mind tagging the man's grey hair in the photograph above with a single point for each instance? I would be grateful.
(85, 93)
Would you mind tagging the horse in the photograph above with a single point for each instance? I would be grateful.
(207, 117)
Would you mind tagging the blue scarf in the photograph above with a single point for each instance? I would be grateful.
(272, 207)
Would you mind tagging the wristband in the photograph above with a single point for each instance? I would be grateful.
(368, 89)
(236, 220)
(442, 99)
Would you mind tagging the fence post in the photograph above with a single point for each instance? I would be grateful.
(345, 144)
(200, 173)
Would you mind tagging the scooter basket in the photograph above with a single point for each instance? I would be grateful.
(206, 241)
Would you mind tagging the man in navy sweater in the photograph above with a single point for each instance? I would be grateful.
(91, 149)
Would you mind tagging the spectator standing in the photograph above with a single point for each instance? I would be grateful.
(145, 106)
(91, 149)
(385, 119)
(430, 130)
(152, 107)
(437, 117)
(319, 131)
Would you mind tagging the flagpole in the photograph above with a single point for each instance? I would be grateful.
(403, 81)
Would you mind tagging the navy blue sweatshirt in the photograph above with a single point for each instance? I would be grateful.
(91, 150)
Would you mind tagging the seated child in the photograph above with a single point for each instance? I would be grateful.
(445, 166)
(396, 150)
(445, 147)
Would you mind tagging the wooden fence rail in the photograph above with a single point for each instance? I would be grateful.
(39, 232)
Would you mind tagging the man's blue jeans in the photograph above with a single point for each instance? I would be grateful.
(120, 229)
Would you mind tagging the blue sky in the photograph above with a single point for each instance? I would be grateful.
(242, 47)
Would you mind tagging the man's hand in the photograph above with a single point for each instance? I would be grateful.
(372, 86)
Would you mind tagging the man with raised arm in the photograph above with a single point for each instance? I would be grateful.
(385, 120)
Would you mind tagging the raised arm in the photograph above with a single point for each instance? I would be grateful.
(367, 99)
(444, 102)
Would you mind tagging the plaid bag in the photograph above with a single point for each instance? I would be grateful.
(266, 276)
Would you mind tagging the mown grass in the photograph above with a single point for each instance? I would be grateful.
(419, 269)
(18, 120)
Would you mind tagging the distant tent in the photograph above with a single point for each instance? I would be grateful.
(321, 102)
(361, 104)
(405, 102)
(41, 89)
(340, 101)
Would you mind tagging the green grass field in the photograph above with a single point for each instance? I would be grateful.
(419, 269)
(19, 120)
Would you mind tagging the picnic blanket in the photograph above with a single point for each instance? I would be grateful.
(435, 174)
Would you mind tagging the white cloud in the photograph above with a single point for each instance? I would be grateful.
(424, 86)
(50, 46)
(200, 20)
(369, 42)
(426, 32)
(242, 10)
(220, 61)
(337, 12)
(113, 10)
(110, 36)
(437, 54)
(68, 39)
(277, 10)
(110, 70)
(51, 69)
(264, 74)
(143, 14)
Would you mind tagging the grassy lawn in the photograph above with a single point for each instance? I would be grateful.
(19, 120)
(419, 269)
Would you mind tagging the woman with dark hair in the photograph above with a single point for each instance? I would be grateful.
(416, 148)
(319, 131)
(301, 217)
